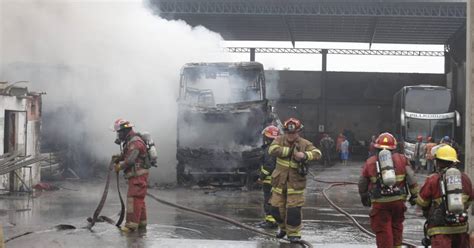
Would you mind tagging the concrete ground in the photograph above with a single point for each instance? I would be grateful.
(169, 227)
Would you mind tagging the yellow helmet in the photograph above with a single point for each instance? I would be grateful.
(447, 153)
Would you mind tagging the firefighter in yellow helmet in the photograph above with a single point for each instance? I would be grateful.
(445, 197)
(289, 178)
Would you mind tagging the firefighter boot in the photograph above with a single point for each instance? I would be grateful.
(268, 223)
(125, 229)
(294, 239)
(280, 234)
(142, 225)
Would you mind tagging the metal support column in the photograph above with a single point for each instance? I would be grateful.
(2, 241)
(323, 120)
(252, 54)
(469, 120)
(447, 63)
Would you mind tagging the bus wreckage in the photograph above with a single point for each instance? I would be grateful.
(222, 110)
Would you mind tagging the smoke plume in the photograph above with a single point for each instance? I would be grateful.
(99, 61)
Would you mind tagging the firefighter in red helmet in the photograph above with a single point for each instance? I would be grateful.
(289, 178)
(268, 164)
(383, 184)
(132, 162)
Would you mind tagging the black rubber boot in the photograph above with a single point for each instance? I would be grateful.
(294, 239)
(280, 234)
(268, 225)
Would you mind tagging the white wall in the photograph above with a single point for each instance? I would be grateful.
(16, 104)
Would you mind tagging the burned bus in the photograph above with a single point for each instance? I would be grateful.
(222, 109)
(424, 110)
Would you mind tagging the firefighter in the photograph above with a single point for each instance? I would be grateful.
(383, 185)
(132, 162)
(292, 152)
(266, 169)
(444, 198)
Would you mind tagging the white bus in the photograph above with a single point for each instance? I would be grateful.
(424, 110)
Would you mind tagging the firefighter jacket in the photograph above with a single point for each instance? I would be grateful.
(286, 176)
(370, 183)
(133, 156)
(431, 200)
(268, 164)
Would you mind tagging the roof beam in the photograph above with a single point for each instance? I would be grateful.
(290, 32)
(310, 8)
(337, 51)
(372, 33)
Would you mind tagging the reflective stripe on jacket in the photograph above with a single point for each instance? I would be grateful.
(285, 177)
(430, 198)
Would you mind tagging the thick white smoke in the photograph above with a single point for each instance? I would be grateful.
(109, 59)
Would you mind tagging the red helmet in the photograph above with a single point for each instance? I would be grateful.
(386, 141)
(419, 138)
(429, 139)
(271, 132)
(292, 125)
(120, 124)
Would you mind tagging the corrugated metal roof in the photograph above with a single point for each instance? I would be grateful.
(381, 21)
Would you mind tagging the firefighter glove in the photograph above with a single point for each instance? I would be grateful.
(116, 158)
(300, 156)
(412, 200)
(117, 167)
(365, 199)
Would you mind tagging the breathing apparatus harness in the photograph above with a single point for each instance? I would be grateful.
(451, 209)
(151, 157)
(386, 178)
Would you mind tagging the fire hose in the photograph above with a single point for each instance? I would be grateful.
(222, 218)
(103, 198)
(342, 211)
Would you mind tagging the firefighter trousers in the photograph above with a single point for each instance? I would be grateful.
(136, 208)
(459, 240)
(267, 193)
(386, 220)
(286, 209)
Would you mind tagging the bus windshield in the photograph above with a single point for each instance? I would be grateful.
(434, 128)
(428, 100)
(217, 85)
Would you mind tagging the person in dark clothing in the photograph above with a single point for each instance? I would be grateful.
(268, 164)
(326, 144)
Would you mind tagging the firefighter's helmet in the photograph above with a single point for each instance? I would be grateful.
(447, 153)
(271, 132)
(292, 125)
(386, 141)
(122, 124)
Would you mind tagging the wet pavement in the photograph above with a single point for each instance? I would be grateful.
(169, 227)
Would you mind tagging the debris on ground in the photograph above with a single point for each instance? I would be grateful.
(45, 187)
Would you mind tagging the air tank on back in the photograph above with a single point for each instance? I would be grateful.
(453, 183)
(386, 167)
